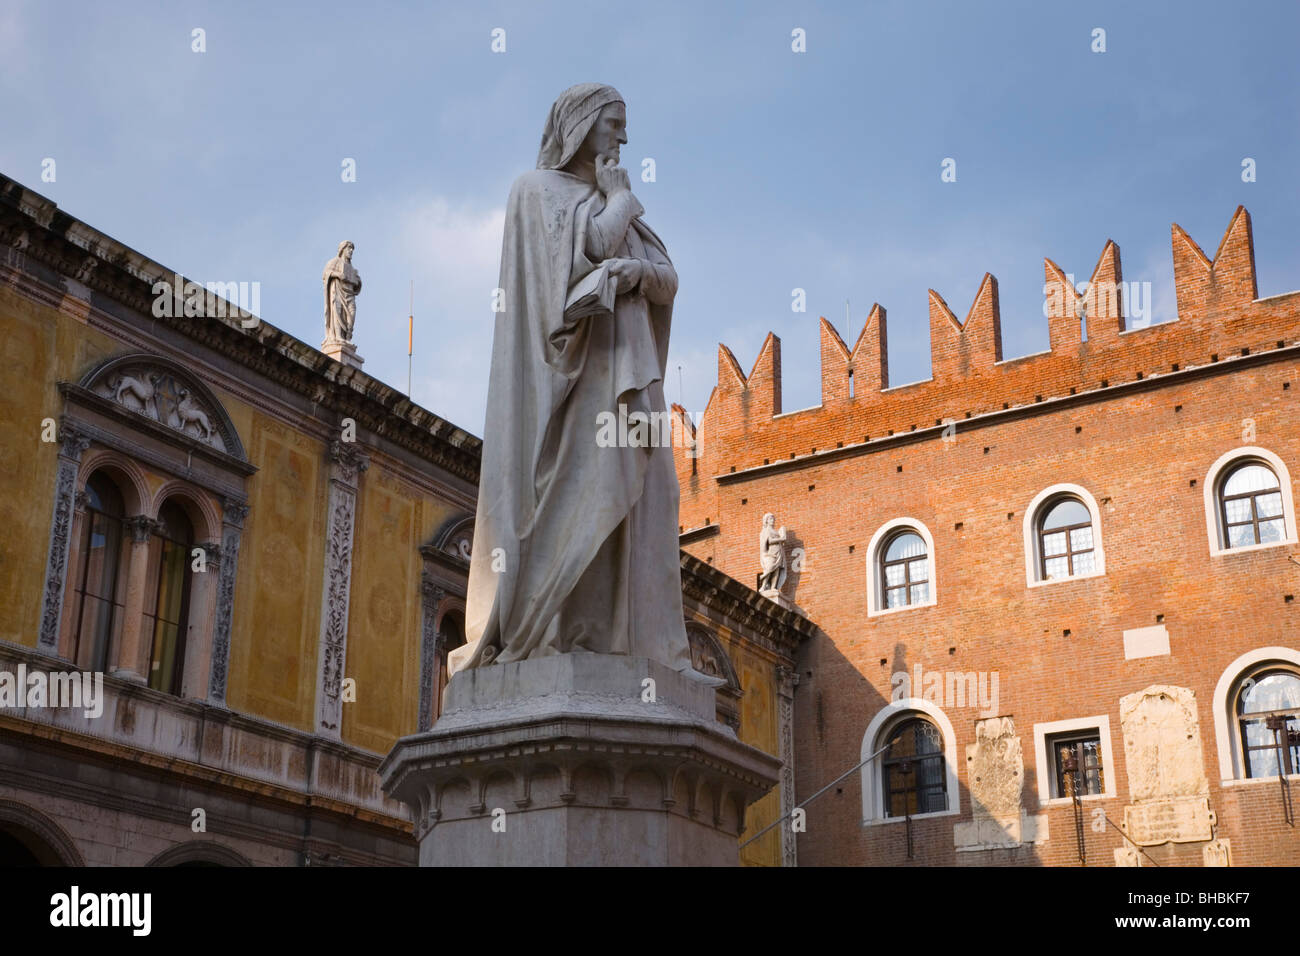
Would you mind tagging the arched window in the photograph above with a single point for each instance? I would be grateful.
(904, 570)
(168, 615)
(913, 778)
(900, 567)
(100, 585)
(1250, 503)
(1066, 540)
(1268, 720)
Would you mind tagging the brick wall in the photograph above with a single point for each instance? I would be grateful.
(1136, 417)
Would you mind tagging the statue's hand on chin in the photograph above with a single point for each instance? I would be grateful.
(611, 178)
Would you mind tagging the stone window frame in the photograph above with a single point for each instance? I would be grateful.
(131, 487)
(1035, 513)
(873, 799)
(97, 431)
(204, 515)
(1043, 761)
(1210, 491)
(1227, 737)
(875, 583)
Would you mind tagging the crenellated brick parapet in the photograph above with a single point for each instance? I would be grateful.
(1092, 349)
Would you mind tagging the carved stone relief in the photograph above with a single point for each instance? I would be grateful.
(1166, 768)
(348, 462)
(460, 543)
(995, 775)
(708, 656)
(232, 521)
(1217, 853)
(158, 393)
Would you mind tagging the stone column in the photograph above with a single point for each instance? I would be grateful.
(347, 462)
(73, 442)
(786, 679)
(233, 513)
(432, 644)
(140, 529)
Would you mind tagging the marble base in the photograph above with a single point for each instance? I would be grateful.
(577, 760)
(344, 352)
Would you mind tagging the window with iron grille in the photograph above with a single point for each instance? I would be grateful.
(1077, 764)
(913, 776)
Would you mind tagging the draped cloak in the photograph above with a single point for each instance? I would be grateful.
(575, 544)
(342, 285)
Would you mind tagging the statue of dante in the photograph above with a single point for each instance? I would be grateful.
(575, 543)
(342, 284)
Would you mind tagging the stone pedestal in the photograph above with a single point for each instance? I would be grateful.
(577, 759)
(344, 352)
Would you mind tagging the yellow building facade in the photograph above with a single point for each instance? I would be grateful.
(260, 553)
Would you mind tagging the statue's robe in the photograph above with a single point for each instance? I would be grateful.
(575, 545)
(342, 283)
(771, 557)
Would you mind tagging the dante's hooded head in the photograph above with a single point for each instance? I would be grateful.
(571, 119)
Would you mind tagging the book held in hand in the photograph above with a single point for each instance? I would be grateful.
(593, 294)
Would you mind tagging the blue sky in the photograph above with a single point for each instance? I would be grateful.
(775, 170)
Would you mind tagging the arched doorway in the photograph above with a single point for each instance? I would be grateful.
(30, 838)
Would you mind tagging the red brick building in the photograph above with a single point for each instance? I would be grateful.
(1090, 554)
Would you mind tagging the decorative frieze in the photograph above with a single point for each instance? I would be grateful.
(786, 679)
(73, 443)
(347, 462)
(233, 513)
